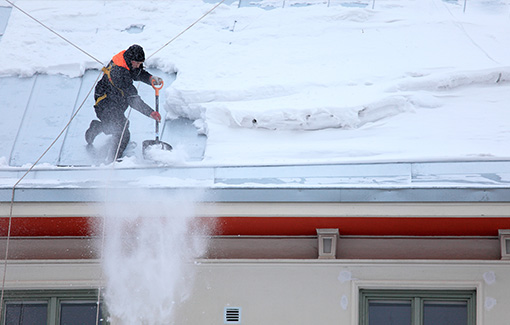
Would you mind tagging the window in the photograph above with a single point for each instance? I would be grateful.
(417, 307)
(51, 307)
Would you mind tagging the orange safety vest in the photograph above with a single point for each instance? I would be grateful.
(119, 60)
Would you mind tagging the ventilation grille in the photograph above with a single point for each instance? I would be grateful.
(232, 315)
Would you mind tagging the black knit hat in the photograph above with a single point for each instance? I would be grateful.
(134, 53)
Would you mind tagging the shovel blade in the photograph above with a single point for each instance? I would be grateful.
(154, 144)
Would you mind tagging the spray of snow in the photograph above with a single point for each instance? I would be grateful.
(177, 156)
(148, 256)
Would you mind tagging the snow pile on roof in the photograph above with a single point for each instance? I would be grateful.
(407, 80)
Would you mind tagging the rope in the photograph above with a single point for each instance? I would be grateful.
(9, 227)
(103, 232)
(117, 152)
(118, 148)
(186, 29)
(51, 30)
(460, 26)
(121, 137)
(98, 300)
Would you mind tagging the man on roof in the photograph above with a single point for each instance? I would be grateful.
(115, 92)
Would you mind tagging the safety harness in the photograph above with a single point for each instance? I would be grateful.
(117, 60)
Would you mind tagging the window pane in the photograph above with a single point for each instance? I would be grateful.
(73, 313)
(445, 313)
(26, 313)
(389, 312)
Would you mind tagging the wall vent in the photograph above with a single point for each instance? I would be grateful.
(232, 315)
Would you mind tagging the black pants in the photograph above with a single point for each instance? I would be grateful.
(115, 123)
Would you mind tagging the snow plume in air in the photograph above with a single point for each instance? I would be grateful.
(150, 244)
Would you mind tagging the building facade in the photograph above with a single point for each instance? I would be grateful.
(342, 253)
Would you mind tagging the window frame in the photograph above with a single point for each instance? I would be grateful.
(417, 298)
(53, 299)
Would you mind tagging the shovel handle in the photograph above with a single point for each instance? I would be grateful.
(157, 87)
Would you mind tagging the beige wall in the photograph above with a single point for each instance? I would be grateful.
(326, 292)
(293, 291)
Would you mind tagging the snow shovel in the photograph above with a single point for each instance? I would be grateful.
(155, 144)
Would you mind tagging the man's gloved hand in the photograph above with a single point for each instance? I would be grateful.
(156, 81)
(155, 115)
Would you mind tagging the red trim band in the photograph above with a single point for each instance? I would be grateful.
(279, 226)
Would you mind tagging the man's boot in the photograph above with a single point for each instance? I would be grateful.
(93, 131)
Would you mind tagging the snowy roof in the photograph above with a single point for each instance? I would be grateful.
(333, 101)
(474, 181)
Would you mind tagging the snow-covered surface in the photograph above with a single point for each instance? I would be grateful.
(473, 181)
(269, 83)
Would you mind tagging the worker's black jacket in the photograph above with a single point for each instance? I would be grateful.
(116, 90)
